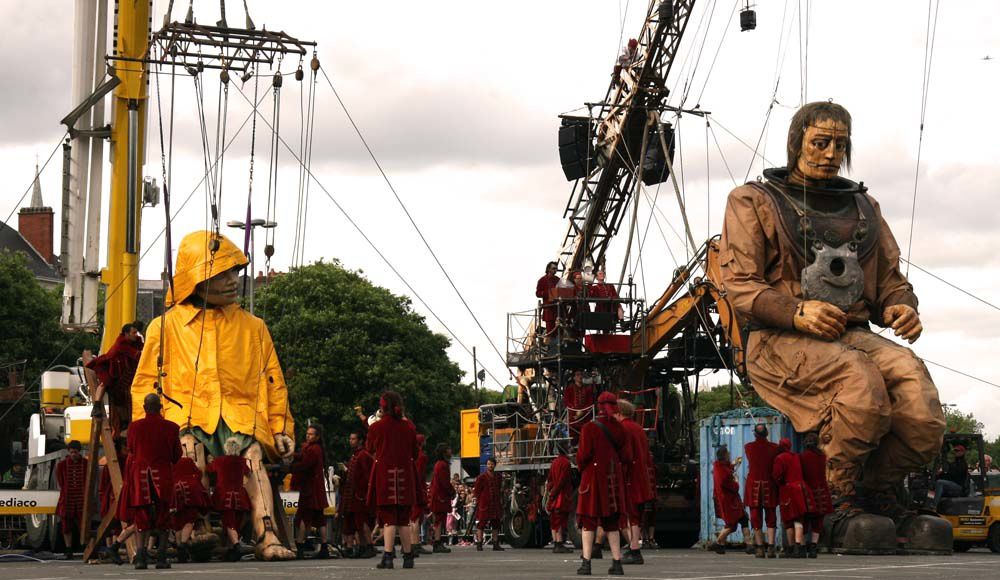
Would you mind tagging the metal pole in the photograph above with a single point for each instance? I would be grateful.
(131, 245)
(475, 370)
(92, 257)
(253, 273)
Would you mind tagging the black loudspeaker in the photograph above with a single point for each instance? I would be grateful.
(574, 147)
(654, 166)
(603, 321)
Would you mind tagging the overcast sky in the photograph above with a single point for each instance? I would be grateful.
(459, 101)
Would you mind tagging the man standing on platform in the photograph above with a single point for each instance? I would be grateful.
(71, 473)
(579, 401)
(543, 288)
(760, 493)
(442, 492)
(308, 469)
(560, 488)
(488, 511)
(604, 448)
(392, 441)
(356, 513)
(155, 446)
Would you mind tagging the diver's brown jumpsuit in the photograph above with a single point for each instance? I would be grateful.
(872, 400)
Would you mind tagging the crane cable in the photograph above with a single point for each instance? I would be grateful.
(925, 89)
(375, 248)
(413, 222)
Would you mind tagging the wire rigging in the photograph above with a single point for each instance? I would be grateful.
(412, 221)
(925, 89)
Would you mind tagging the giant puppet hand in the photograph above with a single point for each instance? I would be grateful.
(284, 444)
(904, 321)
(820, 319)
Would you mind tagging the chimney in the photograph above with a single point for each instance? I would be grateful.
(35, 223)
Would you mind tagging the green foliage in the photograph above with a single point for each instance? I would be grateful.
(723, 398)
(343, 341)
(959, 422)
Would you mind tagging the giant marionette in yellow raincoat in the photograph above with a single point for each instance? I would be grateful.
(221, 376)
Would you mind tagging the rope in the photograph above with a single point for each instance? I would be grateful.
(32, 182)
(925, 89)
(414, 223)
(942, 280)
(375, 248)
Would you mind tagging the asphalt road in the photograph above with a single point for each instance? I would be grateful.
(467, 564)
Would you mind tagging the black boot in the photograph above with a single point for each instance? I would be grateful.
(115, 550)
(324, 552)
(386, 563)
(300, 551)
(183, 554)
(717, 548)
(771, 550)
(368, 551)
(140, 559)
(633, 557)
(497, 547)
(68, 553)
(759, 551)
(440, 548)
(408, 559)
(421, 550)
(162, 562)
(786, 552)
(799, 551)
(479, 546)
(616, 568)
(560, 548)
(598, 553)
(584, 569)
(233, 553)
(812, 550)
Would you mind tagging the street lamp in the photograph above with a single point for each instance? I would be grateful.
(254, 224)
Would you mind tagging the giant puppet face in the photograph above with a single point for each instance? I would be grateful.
(824, 146)
(221, 289)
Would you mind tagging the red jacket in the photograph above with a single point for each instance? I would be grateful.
(794, 496)
(422, 489)
(542, 288)
(487, 494)
(442, 491)
(355, 489)
(106, 491)
(560, 483)
(579, 398)
(154, 447)
(308, 477)
(188, 489)
(726, 493)
(640, 487)
(603, 290)
(116, 369)
(814, 473)
(602, 481)
(393, 444)
(760, 489)
(229, 492)
(71, 476)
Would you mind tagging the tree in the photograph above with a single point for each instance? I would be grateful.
(724, 398)
(343, 341)
(959, 422)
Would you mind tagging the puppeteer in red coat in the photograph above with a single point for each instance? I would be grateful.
(154, 447)
(229, 496)
(442, 491)
(814, 473)
(191, 500)
(760, 493)
(106, 491)
(354, 507)
(392, 441)
(421, 507)
(115, 370)
(604, 447)
(487, 493)
(543, 291)
(308, 479)
(726, 494)
(639, 486)
(560, 485)
(793, 495)
(71, 473)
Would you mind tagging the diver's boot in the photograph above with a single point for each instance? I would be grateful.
(915, 533)
(849, 530)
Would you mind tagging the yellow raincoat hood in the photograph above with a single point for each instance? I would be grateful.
(196, 263)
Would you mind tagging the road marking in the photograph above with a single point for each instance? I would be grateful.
(796, 572)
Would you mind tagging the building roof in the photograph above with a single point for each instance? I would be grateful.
(11, 239)
(36, 192)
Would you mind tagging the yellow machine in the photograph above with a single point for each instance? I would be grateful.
(973, 518)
